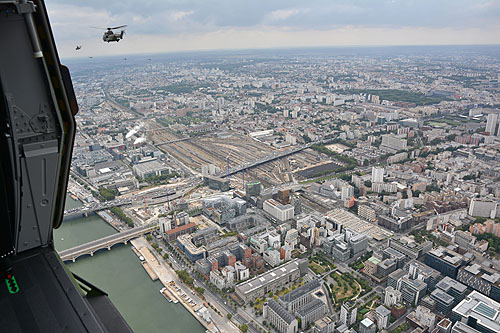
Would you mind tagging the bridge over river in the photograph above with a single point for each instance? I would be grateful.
(95, 206)
(105, 243)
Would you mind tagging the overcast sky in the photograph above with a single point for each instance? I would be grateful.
(176, 25)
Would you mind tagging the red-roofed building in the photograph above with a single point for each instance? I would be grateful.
(176, 232)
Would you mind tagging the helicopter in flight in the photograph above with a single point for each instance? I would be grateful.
(78, 47)
(110, 36)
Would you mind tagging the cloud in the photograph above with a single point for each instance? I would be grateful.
(211, 15)
(67, 16)
(176, 20)
(138, 19)
(179, 15)
(282, 14)
(274, 37)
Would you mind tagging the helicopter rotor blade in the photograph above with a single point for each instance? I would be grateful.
(98, 28)
(118, 27)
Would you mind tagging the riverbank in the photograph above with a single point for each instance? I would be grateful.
(117, 272)
(109, 220)
(149, 260)
(166, 276)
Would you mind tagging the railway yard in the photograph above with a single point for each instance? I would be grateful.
(239, 149)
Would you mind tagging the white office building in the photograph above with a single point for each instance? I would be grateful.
(279, 211)
(377, 175)
(483, 207)
(150, 168)
(348, 313)
(383, 315)
(367, 212)
(165, 224)
(392, 296)
(367, 326)
(272, 257)
(393, 142)
(347, 192)
(242, 272)
(491, 123)
(292, 237)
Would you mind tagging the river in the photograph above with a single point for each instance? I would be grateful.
(119, 273)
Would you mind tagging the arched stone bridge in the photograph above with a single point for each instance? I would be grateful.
(105, 243)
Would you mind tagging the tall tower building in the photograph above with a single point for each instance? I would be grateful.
(491, 123)
(377, 175)
(347, 192)
(348, 313)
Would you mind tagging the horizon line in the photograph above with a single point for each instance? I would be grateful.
(280, 48)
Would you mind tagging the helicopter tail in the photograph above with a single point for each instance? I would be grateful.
(121, 34)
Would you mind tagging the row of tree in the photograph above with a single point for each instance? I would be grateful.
(118, 212)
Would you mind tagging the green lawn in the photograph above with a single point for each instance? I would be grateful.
(316, 268)
(433, 123)
(401, 328)
(345, 288)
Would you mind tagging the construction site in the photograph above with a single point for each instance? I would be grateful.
(231, 149)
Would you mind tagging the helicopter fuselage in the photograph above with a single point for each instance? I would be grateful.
(110, 36)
